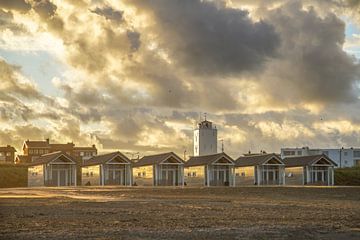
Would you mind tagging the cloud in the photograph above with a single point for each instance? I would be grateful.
(109, 13)
(17, 5)
(209, 38)
(269, 73)
(44, 8)
(311, 65)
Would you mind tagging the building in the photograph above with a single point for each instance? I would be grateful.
(264, 169)
(309, 170)
(165, 169)
(205, 139)
(84, 153)
(7, 154)
(34, 149)
(107, 169)
(52, 169)
(343, 157)
(210, 170)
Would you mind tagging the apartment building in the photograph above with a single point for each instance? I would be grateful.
(32, 150)
(7, 154)
(343, 157)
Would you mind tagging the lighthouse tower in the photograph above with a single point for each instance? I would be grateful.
(205, 139)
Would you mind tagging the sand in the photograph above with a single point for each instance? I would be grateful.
(180, 213)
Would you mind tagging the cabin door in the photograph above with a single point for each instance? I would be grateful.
(60, 177)
(220, 177)
(169, 177)
(116, 176)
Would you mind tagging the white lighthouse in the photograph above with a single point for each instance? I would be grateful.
(205, 139)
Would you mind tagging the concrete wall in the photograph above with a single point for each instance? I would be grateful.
(36, 176)
(143, 176)
(91, 175)
(195, 176)
(244, 176)
(294, 175)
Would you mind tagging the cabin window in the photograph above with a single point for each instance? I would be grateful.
(91, 174)
(81, 153)
(189, 174)
(345, 153)
(194, 174)
(144, 174)
(8, 154)
(243, 174)
(139, 174)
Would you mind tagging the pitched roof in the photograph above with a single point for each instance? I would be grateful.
(85, 148)
(47, 158)
(306, 160)
(37, 144)
(155, 159)
(100, 159)
(254, 160)
(205, 160)
(62, 146)
(8, 148)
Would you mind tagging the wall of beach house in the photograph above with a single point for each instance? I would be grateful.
(36, 176)
(91, 176)
(294, 175)
(143, 176)
(245, 175)
(160, 174)
(195, 176)
(50, 169)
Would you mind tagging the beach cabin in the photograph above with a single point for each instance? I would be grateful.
(107, 169)
(210, 170)
(53, 169)
(165, 169)
(262, 169)
(309, 170)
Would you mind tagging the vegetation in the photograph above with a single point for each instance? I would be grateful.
(347, 176)
(13, 176)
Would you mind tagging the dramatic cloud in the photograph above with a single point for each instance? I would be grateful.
(18, 5)
(208, 37)
(109, 13)
(311, 64)
(135, 75)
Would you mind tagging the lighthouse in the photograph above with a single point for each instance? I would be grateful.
(205, 139)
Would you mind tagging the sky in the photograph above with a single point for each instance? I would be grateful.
(138, 75)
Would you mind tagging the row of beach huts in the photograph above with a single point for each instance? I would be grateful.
(168, 169)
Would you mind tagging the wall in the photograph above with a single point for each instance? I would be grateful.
(91, 175)
(143, 176)
(244, 176)
(36, 176)
(296, 175)
(198, 179)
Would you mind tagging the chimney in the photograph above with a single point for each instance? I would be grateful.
(47, 140)
(93, 146)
